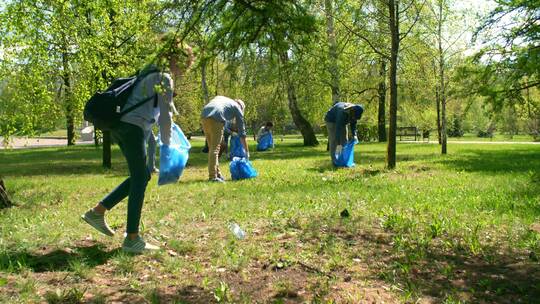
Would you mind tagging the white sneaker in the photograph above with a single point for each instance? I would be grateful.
(137, 245)
(97, 221)
(217, 180)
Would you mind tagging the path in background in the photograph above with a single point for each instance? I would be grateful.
(38, 142)
(42, 142)
(474, 142)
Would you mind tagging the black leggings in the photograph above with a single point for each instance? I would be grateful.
(131, 140)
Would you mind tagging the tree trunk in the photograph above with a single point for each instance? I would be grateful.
(438, 101)
(107, 149)
(442, 85)
(301, 123)
(4, 198)
(204, 85)
(332, 52)
(255, 129)
(70, 117)
(394, 31)
(70, 125)
(381, 120)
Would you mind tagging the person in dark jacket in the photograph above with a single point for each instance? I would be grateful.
(341, 115)
(132, 134)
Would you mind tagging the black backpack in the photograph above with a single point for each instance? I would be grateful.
(104, 109)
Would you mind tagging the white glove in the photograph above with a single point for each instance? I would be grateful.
(355, 139)
(339, 149)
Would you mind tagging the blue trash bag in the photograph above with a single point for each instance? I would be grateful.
(265, 142)
(173, 158)
(346, 158)
(241, 168)
(237, 150)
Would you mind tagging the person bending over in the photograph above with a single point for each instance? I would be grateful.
(214, 115)
(337, 118)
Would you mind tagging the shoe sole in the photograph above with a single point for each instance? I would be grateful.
(90, 223)
(129, 250)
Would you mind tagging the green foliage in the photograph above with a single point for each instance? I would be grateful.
(56, 54)
(455, 127)
(510, 63)
(367, 133)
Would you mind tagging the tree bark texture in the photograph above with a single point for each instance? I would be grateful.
(333, 67)
(394, 32)
(5, 202)
(301, 123)
(204, 84)
(438, 101)
(442, 83)
(70, 116)
(381, 119)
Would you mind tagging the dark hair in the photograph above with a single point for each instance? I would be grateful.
(358, 111)
(269, 124)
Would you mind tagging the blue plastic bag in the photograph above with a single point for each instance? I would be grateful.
(265, 142)
(346, 158)
(241, 168)
(173, 158)
(237, 150)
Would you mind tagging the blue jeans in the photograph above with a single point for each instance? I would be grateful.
(132, 142)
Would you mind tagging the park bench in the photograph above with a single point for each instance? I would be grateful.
(408, 131)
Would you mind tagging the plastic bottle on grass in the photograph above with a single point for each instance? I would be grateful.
(237, 231)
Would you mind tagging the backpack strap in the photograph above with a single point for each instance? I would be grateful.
(135, 106)
(139, 78)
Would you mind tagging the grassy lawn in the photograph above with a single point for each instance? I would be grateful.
(433, 137)
(452, 229)
(496, 137)
(56, 133)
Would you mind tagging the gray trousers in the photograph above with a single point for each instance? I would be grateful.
(332, 143)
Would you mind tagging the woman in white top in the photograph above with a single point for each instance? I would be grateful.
(132, 133)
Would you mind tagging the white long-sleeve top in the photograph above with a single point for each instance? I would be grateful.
(146, 115)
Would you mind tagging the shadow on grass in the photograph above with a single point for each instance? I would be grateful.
(185, 294)
(55, 260)
(431, 270)
(495, 161)
(57, 161)
(87, 159)
(501, 277)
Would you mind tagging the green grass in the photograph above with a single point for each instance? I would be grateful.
(496, 137)
(465, 137)
(454, 228)
(55, 133)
